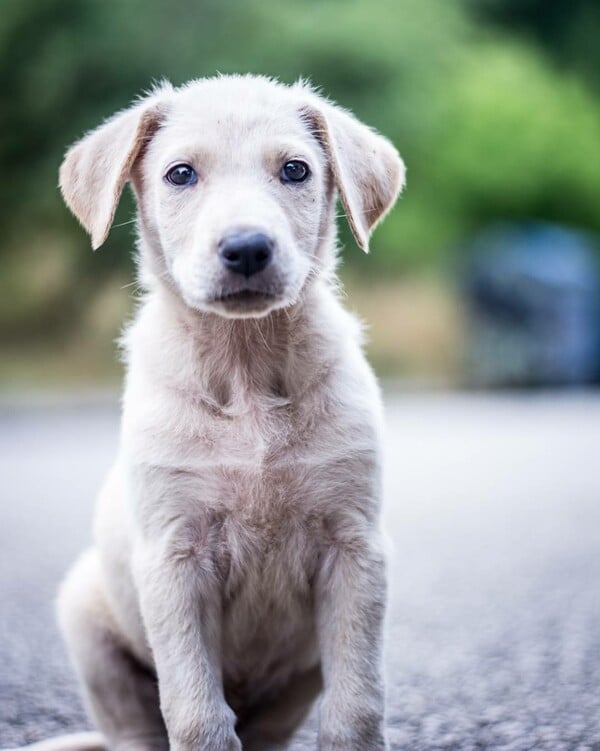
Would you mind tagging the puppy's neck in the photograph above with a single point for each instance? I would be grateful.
(225, 362)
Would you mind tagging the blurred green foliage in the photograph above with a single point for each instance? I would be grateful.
(494, 109)
(566, 29)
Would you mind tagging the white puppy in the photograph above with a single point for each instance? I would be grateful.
(237, 565)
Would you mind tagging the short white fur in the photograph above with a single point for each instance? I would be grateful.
(238, 566)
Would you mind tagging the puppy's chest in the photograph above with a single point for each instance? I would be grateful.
(270, 526)
(252, 478)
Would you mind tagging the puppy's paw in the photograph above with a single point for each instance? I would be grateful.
(357, 736)
(216, 742)
(229, 743)
(219, 738)
(346, 744)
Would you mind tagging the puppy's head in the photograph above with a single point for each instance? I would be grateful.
(235, 179)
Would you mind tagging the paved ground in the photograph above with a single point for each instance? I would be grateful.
(493, 506)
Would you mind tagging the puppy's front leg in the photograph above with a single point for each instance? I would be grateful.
(350, 607)
(181, 608)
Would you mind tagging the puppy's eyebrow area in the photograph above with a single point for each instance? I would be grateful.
(199, 157)
(276, 154)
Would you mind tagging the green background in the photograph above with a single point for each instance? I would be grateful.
(492, 103)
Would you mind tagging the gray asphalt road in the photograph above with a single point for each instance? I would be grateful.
(493, 509)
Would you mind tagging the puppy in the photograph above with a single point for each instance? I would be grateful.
(237, 568)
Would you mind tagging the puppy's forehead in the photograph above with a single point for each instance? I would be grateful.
(236, 111)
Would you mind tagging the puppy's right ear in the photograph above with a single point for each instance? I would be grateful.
(95, 169)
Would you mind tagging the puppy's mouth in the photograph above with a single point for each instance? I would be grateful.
(246, 301)
(245, 296)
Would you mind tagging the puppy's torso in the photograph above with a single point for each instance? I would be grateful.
(253, 481)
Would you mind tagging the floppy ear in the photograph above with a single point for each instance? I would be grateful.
(368, 171)
(95, 169)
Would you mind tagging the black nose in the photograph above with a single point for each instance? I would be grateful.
(246, 251)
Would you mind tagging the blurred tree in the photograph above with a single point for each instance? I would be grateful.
(568, 29)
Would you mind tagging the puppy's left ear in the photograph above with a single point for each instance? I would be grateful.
(368, 171)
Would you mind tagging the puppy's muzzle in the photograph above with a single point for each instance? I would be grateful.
(246, 252)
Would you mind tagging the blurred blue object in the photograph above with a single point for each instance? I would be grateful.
(533, 299)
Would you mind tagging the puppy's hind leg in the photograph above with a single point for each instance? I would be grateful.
(121, 694)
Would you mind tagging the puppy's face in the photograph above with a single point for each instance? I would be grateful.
(236, 188)
(235, 179)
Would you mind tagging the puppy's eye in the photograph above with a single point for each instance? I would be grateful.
(181, 174)
(294, 171)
